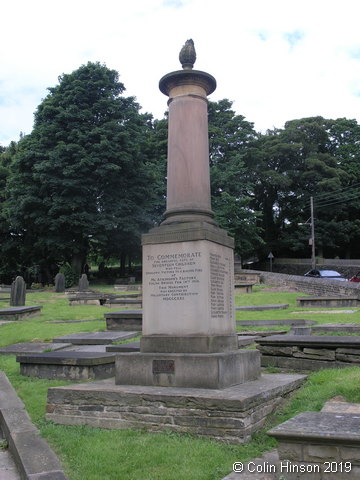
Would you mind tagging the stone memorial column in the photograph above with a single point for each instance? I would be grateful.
(189, 336)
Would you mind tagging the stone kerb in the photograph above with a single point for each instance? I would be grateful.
(33, 456)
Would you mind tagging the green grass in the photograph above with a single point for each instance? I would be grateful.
(89, 453)
(261, 296)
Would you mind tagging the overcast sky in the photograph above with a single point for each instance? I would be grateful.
(277, 60)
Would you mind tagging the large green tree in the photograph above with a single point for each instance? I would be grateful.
(230, 139)
(309, 157)
(80, 180)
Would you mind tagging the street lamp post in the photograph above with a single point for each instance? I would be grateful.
(311, 222)
(313, 259)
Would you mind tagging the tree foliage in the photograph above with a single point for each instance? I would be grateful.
(79, 180)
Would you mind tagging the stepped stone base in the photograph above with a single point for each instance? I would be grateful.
(215, 370)
(231, 415)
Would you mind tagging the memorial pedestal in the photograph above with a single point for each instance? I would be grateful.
(189, 337)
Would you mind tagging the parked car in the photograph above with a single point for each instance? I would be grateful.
(330, 274)
(355, 278)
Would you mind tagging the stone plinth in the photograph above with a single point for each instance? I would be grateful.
(217, 370)
(72, 366)
(229, 415)
(188, 290)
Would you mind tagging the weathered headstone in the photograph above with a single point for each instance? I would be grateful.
(83, 283)
(59, 282)
(18, 292)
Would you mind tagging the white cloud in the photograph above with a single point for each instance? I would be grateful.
(276, 60)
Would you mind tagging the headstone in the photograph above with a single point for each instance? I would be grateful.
(83, 283)
(59, 282)
(18, 292)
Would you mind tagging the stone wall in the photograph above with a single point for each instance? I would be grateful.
(299, 266)
(312, 286)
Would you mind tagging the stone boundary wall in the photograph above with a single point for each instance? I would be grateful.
(313, 286)
(299, 266)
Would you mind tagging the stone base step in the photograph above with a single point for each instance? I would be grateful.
(231, 415)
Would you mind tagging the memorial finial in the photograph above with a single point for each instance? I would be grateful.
(187, 55)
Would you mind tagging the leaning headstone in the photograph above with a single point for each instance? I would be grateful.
(18, 291)
(59, 282)
(83, 283)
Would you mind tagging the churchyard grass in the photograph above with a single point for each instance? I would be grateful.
(90, 453)
(262, 296)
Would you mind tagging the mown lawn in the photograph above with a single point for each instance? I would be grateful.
(94, 454)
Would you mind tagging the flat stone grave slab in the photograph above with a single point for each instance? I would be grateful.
(94, 338)
(309, 352)
(88, 299)
(73, 321)
(244, 340)
(230, 414)
(27, 347)
(124, 320)
(266, 323)
(85, 348)
(17, 313)
(262, 307)
(324, 311)
(328, 302)
(125, 302)
(125, 288)
(124, 347)
(313, 340)
(320, 438)
(337, 327)
(262, 333)
(72, 366)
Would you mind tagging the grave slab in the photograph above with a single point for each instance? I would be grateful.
(328, 302)
(17, 313)
(338, 327)
(262, 333)
(124, 320)
(124, 347)
(310, 436)
(244, 340)
(308, 352)
(72, 366)
(313, 340)
(255, 308)
(94, 338)
(229, 415)
(266, 323)
(28, 347)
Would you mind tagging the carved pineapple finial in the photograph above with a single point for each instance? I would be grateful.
(187, 55)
